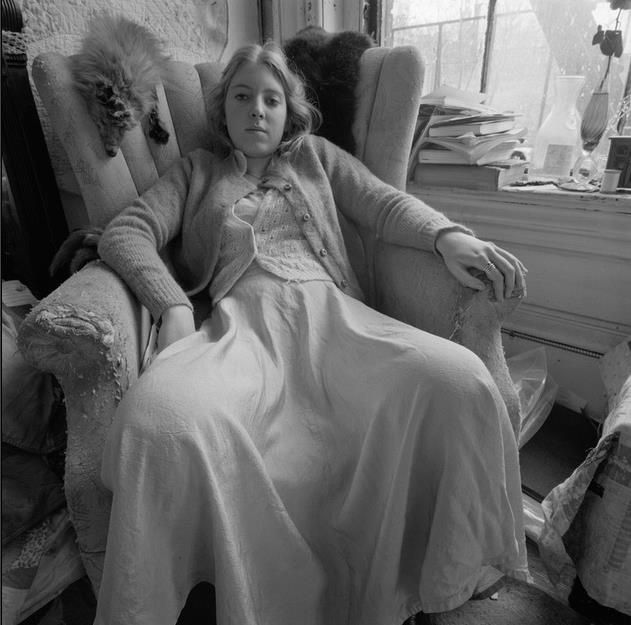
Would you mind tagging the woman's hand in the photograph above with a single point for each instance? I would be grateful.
(462, 252)
(177, 322)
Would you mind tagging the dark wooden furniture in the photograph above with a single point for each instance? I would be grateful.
(33, 221)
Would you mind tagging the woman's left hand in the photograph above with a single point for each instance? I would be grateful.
(463, 252)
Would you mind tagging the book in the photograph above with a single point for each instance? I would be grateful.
(438, 154)
(477, 177)
(428, 114)
(476, 125)
(470, 141)
(451, 97)
(475, 146)
(448, 107)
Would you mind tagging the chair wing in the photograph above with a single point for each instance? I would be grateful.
(108, 184)
(388, 98)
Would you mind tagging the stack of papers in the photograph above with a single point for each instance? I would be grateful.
(479, 124)
(456, 127)
(450, 97)
(471, 149)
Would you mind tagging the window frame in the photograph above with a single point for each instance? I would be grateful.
(378, 12)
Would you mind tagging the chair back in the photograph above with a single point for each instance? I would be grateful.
(108, 184)
(388, 94)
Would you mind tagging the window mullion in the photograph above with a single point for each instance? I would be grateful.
(386, 37)
(546, 90)
(488, 45)
(439, 54)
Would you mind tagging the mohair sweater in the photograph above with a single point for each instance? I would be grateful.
(188, 207)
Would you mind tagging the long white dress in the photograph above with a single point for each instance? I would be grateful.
(318, 462)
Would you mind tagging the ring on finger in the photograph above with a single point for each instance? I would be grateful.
(489, 267)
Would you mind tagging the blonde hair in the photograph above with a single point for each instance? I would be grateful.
(302, 117)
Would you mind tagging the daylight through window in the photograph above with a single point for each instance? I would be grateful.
(527, 43)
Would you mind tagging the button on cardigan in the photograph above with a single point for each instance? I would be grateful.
(184, 213)
(272, 239)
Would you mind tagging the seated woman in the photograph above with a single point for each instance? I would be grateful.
(315, 460)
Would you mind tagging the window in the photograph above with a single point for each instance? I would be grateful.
(512, 49)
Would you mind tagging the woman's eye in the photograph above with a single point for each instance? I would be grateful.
(273, 102)
(241, 97)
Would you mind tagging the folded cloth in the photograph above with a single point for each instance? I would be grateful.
(38, 566)
(33, 417)
(586, 531)
(33, 425)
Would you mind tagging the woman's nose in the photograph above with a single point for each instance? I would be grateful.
(257, 109)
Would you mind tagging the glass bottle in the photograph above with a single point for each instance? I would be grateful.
(557, 141)
(595, 123)
(593, 126)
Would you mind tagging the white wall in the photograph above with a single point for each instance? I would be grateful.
(577, 248)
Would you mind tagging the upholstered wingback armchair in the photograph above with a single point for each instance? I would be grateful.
(91, 332)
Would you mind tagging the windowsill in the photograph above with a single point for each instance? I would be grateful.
(538, 195)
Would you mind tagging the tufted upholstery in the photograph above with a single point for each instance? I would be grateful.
(90, 332)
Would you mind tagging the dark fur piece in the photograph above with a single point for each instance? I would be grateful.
(156, 130)
(329, 64)
(117, 69)
(76, 251)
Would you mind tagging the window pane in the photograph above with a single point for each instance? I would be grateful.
(450, 36)
(462, 54)
(425, 38)
(533, 41)
(543, 39)
(521, 65)
(406, 12)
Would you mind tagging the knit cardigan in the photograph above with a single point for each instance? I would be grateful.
(188, 206)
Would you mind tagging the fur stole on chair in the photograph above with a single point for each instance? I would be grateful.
(117, 70)
(329, 65)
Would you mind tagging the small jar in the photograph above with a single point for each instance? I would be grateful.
(609, 183)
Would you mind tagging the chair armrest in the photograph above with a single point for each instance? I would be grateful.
(88, 333)
(86, 329)
(416, 287)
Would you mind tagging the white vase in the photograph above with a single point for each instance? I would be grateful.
(558, 140)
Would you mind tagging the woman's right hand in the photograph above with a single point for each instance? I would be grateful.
(177, 323)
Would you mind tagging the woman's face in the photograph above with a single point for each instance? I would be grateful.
(256, 111)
